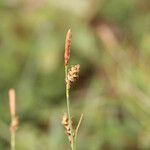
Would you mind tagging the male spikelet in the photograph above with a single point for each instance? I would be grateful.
(67, 47)
(14, 118)
(65, 122)
(73, 74)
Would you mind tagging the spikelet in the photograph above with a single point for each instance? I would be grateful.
(65, 123)
(73, 74)
(67, 47)
(12, 103)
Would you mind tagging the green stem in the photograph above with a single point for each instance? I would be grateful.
(13, 141)
(68, 107)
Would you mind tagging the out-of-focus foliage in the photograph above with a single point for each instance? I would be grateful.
(111, 41)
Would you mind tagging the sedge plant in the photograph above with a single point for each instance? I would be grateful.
(71, 74)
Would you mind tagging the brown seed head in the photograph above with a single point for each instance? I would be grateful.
(73, 74)
(65, 123)
(67, 47)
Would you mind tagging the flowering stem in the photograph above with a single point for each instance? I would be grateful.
(68, 107)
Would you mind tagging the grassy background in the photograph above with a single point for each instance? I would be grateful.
(111, 42)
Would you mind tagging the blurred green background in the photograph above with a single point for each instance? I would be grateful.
(111, 42)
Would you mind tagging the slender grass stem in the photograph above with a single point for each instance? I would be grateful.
(13, 135)
(68, 108)
(13, 127)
